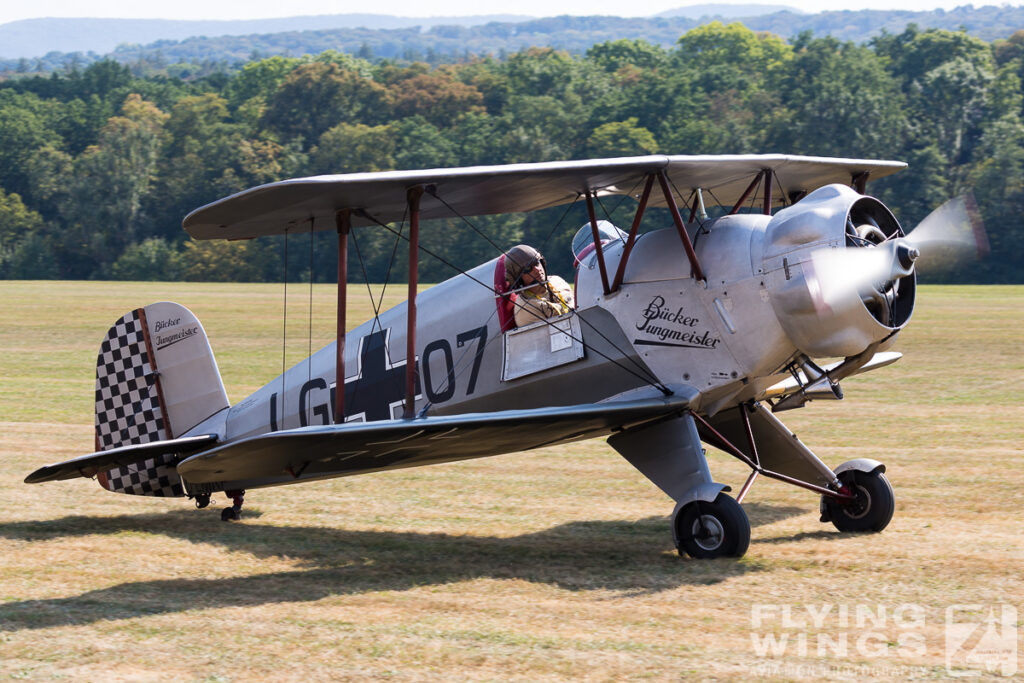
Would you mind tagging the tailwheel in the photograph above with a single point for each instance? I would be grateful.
(202, 500)
(706, 530)
(872, 507)
(235, 511)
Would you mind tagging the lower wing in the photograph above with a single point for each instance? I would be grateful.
(355, 448)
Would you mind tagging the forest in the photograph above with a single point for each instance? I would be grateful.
(98, 166)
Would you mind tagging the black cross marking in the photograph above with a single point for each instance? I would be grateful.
(378, 387)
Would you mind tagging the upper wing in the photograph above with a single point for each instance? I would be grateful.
(358, 447)
(93, 463)
(271, 209)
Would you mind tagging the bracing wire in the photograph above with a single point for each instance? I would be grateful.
(458, 372)
(544, 244)
(377, 303)
(717, 200)
(391, 261)
(782, 188)
(465, 220)
(366, 279)
(631, 193)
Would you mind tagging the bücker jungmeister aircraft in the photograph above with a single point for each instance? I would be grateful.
(697, 332)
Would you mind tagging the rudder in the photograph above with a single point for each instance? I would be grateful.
(156, 378)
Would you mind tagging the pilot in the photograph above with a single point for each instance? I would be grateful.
(540, 295)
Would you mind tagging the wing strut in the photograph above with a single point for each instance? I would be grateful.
(343, 220)
(597, 242)
(413, 196)
(631, 240)
(698, 272)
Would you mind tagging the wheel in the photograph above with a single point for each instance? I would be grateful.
(706, 530)
(228, 514)
(873, 505)
(202, 500)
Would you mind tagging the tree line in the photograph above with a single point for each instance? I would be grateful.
(209, 49)
(98, 166)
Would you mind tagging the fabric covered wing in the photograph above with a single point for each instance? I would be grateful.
(271, 209)
(93, 463)
(356, 448)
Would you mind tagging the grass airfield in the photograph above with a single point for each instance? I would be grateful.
(549, 565)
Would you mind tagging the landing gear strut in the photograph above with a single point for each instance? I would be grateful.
(235, 511)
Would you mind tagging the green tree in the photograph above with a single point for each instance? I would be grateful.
(437, 96)
(731, 57)
(259, 79)
(153, 259)
(17, 222)
(621, 139)
(914, 53)
(318, 96)
(109, 183)
(350, 148)
(951, 105)
(617, 54)
(22, 132)
(998, 182)
(476, 139)
(220, 261)
(419, 144)
(838, 100)
(540, 71)
(539, 128)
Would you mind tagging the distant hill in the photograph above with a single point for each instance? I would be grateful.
(725, 10)
(37, 37)
(442, 42)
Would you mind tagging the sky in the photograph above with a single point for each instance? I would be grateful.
(260, 9)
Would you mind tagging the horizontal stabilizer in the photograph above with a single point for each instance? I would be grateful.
(90, 465)
(356, 447)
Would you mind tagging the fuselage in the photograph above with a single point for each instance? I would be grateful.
(662, 326)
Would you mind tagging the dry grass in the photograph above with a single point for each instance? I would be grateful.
(550, 565)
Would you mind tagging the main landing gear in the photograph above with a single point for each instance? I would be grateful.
(706, 530)
(707, 523)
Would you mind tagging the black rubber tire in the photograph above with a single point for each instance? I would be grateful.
(705, 530)
(202, 500)
(873, 508)
(228, 514)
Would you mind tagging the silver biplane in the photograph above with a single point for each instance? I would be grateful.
(695, 333)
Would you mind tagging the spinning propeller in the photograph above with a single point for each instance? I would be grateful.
(873, 263)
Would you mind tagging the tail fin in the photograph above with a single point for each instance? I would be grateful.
(156, 378)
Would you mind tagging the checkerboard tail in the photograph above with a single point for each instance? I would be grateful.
(156, 379)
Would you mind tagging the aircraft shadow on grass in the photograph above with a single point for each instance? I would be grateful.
(629, 557)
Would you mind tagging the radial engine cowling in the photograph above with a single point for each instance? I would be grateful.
(840, 276)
